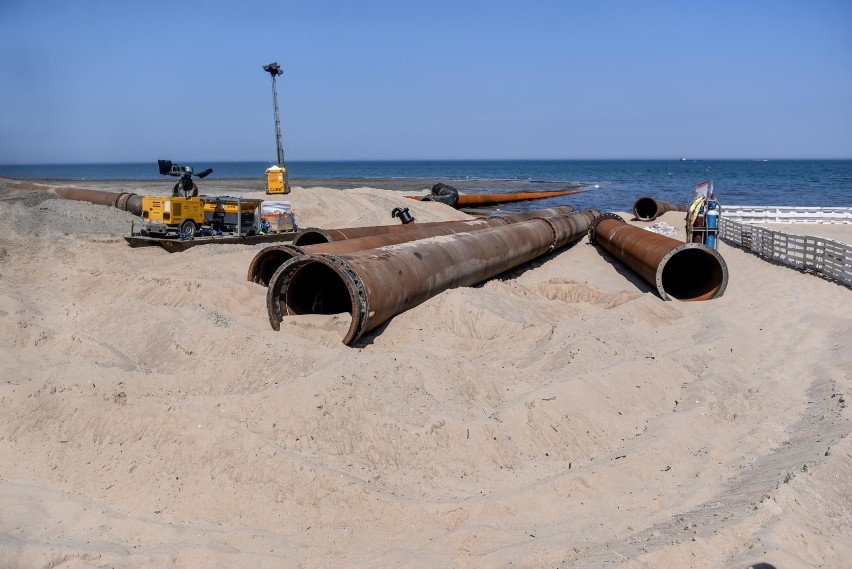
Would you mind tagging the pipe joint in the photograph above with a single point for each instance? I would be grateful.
(600, 218)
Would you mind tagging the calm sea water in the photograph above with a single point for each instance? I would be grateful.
(612, 184)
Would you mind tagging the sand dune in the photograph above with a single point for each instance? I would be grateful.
(559, 416)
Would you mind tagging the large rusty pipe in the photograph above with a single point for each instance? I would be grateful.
(98, 197)
(267, 260)
(681, 271)
(376, 284)
(314, 235)
(124, 201)
(649, 209)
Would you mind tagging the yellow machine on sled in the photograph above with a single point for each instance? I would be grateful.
(164, 215)
(203, 215)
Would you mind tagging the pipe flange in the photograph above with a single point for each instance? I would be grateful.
(658, 277)
(121, 201)
(279, 281)
(553, 231)
(358, 292)
(600, 218)
(260, 270)
(119, 198)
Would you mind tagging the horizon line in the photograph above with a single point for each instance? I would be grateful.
(357, 160)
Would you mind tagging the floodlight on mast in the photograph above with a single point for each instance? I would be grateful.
(277, 180)
(275, 70)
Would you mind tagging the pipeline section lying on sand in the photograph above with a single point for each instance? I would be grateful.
(314, 235)
(338, 241)
(374, 285)
(683, 271)
(124, 201)
(649, 209)
(267, 260)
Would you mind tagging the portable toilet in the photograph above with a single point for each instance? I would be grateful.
(276, 180)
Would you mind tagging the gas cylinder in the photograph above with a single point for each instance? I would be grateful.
(712, 221)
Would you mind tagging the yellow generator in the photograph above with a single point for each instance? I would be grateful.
(164, 215)
(199, 216)
(276, 180)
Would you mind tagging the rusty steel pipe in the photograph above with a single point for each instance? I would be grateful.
(682, 271)
(267, 260)
(649, 209)
(375, 285)
(124, 201)
(314, 235)
(98, 197)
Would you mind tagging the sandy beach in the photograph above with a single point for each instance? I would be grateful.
(561, 415)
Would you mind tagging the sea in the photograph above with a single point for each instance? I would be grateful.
(611, 185)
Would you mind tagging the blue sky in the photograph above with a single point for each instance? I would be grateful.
(108, 81)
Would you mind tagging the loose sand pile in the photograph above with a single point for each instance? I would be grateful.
(559, 416)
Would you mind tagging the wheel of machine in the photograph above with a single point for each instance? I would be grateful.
(188, 228)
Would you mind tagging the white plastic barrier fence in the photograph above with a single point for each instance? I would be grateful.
(787, 214)
(827, 257)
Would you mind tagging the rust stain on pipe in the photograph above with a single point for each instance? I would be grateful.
(682, 271)
(267, 260)
(649, 209)
(374, 285)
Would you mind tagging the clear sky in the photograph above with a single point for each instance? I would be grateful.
(115, 81)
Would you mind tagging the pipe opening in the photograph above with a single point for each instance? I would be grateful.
(311, 237)
(693, 273)
(269, 263)
(645, 209)
(316, 288)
